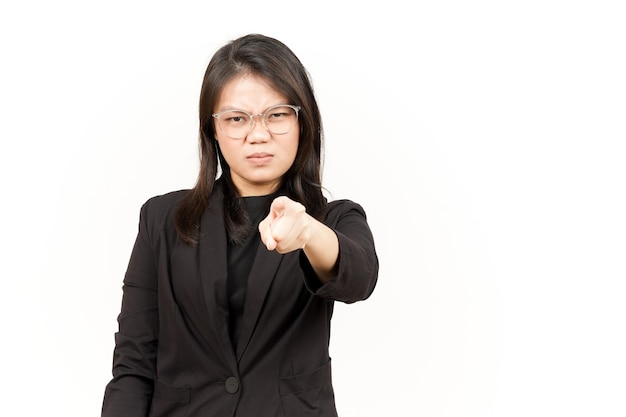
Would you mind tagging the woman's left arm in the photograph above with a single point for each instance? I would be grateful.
(343, 258)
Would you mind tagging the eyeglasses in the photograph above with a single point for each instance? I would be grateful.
(237, 124)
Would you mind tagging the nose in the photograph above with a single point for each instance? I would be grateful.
(258, 133)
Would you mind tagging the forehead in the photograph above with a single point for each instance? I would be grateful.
(248, 92)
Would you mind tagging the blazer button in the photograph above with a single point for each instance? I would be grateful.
(231, 385)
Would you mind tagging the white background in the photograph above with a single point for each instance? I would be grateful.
(485, 140)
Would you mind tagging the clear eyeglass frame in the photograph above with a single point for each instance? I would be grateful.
(263, 116)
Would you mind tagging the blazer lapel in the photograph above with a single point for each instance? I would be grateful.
(212, 252)
(261, 276)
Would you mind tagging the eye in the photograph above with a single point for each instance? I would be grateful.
(279, 114)
(235, 118)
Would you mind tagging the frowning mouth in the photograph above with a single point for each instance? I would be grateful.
(260, 157)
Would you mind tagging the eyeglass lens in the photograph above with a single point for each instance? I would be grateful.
(278, 120)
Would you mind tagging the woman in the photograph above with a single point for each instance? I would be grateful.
(230, 287)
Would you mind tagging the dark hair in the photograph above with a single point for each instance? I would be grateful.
(277, 64)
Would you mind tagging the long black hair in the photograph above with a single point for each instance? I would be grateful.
(272, 60)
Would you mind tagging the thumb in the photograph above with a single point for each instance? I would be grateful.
(277, 210)
(265, 230)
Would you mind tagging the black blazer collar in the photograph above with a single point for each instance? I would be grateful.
(214, 274)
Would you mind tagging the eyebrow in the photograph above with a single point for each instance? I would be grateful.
(232, 108)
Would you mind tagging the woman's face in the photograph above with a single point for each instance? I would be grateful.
(259, 160)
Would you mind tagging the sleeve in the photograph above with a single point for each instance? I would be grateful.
(129, 393)
(357, 271)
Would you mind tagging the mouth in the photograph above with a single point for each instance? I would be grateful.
(259, 157)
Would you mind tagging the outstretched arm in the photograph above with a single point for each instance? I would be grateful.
(289, 227)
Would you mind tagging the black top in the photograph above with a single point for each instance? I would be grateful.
(240, 259)
(172, 353)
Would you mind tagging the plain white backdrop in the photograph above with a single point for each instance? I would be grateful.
(485, 139)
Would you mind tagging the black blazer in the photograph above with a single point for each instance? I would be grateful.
(173, 355)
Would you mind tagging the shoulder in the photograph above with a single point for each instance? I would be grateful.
(341, 206)
(158, 209)
(338, 209)
(166, 201)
